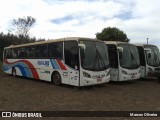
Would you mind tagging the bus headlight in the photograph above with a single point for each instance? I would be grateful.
(85, 74)
(124, 72)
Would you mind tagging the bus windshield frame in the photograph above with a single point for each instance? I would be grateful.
(154, 58)
(130, 56)
(94, 55)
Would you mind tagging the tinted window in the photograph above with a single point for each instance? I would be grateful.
(141, 55)
(41, 51)
(130, 56)
(22, 52)
(4, 53)
(30, 52)
(55, 50)
(152, 56)
(113, 58)
(14, 53)
(71, 54)
(94, 55)
(8, 53)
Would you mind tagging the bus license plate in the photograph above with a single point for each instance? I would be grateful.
(99, 79)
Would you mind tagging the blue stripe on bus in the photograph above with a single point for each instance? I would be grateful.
(56, 64)
(26, 69)
(22, 70)
(5, 67)
(53, 66)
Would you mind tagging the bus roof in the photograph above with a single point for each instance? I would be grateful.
(144, 45)
(52, 40)
(116, 42)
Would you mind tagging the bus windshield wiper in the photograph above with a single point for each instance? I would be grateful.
(134, 61)
(99, 60)
(95, 61)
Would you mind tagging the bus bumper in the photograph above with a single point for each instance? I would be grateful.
(91, 81)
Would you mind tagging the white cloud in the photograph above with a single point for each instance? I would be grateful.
(139, 19)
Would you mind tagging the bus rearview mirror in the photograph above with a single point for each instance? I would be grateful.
(148, 51)
(82, 46)
(120, 50)
(82, 49)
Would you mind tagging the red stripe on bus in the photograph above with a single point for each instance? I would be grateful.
(5, 61)
(33, 70)
(61, 65)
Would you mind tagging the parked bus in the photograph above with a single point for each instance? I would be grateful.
(149, 59)
(124, 61)
(73, 61)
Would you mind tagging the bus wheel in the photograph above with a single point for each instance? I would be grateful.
(14, 72)
(56, 79)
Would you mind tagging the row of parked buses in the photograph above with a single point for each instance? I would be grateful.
(81, 61)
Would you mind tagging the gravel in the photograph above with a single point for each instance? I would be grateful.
(23, 94)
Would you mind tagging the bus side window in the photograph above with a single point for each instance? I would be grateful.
(30, 52)
(55, 50)
(22, 52)
(40, 51)
(71, 54)
(113, 57)
(14, 53)
(8, 53)
(4, 53)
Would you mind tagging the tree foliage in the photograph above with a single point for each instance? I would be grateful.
(10, 39)
(112, 34)
(23, 25)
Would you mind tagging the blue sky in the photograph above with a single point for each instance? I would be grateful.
(139, 19)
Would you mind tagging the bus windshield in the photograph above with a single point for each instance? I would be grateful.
(94, 56)
(130, 56)
(154, 58)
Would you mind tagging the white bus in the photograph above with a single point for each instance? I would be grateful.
(124, 61)
(73, 61)
(149, 59)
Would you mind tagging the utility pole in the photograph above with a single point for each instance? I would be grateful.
(147, 40)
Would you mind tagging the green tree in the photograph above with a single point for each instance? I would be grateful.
(112, 34)
(10, 39)
(21, 26)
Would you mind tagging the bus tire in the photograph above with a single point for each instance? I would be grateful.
(56, 79)
(14, 72)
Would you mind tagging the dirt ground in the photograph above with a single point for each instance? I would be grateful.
(22, 94)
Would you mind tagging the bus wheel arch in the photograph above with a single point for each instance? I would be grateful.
(56, 78)
(14, 72)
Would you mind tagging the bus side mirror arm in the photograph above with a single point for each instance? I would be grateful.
(120, 50)
(82, 46)
(148, 52)
(82, 50)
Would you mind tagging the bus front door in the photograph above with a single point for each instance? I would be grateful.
(71, 55)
